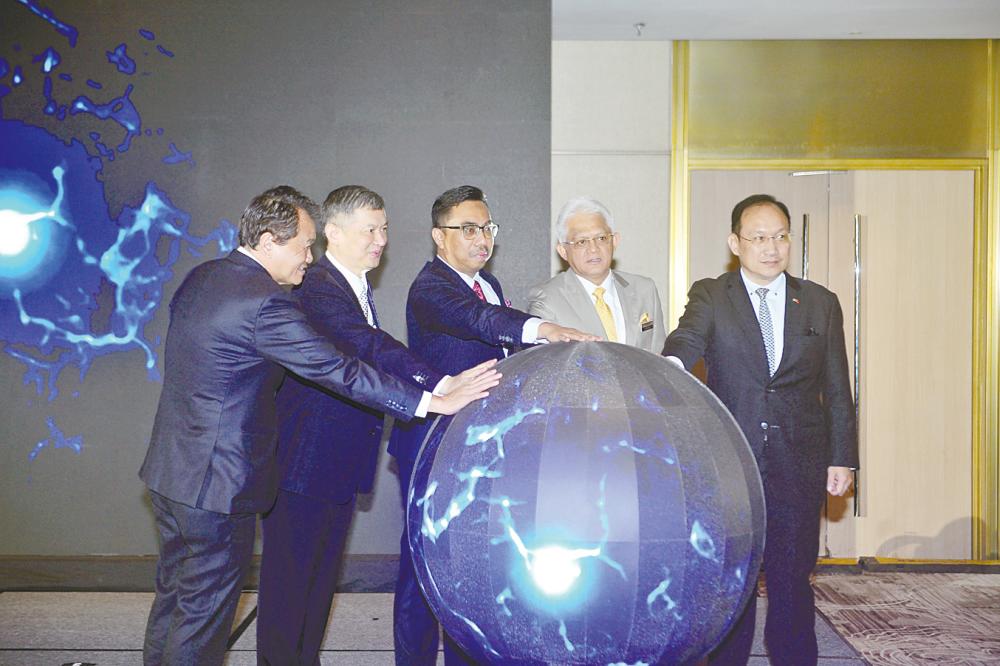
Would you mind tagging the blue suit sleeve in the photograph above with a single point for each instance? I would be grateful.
(335, 315)
(283, 335)
(446, 308)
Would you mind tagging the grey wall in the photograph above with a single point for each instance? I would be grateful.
(407, 97)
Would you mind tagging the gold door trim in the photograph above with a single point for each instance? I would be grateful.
(985, 509)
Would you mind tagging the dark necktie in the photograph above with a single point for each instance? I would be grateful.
(479, 290)
(766, 328)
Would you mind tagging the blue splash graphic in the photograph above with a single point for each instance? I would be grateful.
(49, 58)
(120, 109)
(57, 440)
(702, 542)
(77, 282)
(169, 54)
(46, 14)
(176, 156)
(119, 58)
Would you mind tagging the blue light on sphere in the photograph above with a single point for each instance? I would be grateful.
(601, 506)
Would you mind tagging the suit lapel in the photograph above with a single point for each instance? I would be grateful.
(331, 273)
(581, 303)
(630, 308)
(743, 308)
(794, 314)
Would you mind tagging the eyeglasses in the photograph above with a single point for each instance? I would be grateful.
(470, 231)
(582, 243)
(779, 239)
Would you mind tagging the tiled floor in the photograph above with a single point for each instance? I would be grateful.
(105, 628)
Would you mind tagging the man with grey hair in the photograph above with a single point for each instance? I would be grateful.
(328, 444)
(618, 306)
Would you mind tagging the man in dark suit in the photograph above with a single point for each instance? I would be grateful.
(774, 351)
(328, 444)
(456, 316)
(210, 465)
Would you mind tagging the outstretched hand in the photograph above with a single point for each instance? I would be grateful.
(460, 390)
(556, 333)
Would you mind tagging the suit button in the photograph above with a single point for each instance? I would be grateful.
(763, 425)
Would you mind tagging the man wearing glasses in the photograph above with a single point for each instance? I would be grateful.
(614, 305)
(456, 316)
(774, 351)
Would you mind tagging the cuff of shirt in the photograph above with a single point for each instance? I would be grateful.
(425, 402)
(529, 332)
(676, 361)
(437, 388)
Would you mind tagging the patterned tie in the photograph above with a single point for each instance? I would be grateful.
(604, 312)
(371, 305)
(365, 300)
(479, 290)
(766, 329)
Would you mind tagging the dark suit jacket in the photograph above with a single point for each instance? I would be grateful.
(451, 329)
(808, 399)
(328, 444)
(232, 328)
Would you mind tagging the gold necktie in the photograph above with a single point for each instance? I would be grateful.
(604, 312)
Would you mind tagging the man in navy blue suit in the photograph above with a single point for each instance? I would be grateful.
(773, 346)
(210, 465)
(456, 316)
(328, 444)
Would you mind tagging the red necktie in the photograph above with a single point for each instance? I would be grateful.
(479, 290)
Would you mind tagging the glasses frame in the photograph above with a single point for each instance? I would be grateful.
(492, 227)
(601, 240)
(760, 241)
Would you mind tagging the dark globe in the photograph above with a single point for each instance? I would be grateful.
(600, 507)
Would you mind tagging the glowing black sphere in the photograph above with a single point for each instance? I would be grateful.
(601, 506)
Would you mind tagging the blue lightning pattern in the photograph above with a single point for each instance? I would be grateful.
(85, 284)
(58, 440)
(549, 586)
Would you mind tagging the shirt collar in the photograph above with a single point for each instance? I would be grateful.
(358, 282)
(775, 286)
(468, 280)
(608, 283)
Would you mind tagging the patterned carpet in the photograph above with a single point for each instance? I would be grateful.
(915, 618)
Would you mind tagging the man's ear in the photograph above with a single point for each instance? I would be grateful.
(266, 242)
(734, 244)
(561, 251)
(438, 236)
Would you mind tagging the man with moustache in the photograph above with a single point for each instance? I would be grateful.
(210, 464)
(456, 316)
(328, 444)
(618, 306)
(774, 351)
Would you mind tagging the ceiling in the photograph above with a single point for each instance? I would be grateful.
(774, 19)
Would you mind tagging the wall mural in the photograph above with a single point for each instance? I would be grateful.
(79, 280)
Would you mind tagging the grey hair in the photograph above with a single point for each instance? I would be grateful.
(345, 200)
(582, 205)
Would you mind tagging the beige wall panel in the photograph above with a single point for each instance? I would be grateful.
(611, 96)
(636, 190)
(916, 342)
